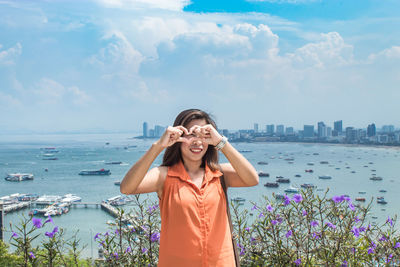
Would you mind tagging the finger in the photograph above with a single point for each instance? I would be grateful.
(182, 140)
(183, 129)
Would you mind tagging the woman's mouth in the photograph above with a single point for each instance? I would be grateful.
(196, 150)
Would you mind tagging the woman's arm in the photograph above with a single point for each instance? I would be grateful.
(138, 179)
(239, 172)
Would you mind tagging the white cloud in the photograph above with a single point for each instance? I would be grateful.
(331, 50)
(8, 57)
(287, 1)
(392, 53)
(175, 5)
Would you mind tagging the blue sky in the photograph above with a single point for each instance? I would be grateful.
(112, 64)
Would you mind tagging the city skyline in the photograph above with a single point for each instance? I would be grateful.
(109, 65)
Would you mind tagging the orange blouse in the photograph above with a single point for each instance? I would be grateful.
(194, 224)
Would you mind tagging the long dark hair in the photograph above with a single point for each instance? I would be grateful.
(173, 155)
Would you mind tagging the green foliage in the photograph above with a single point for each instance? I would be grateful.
(8, 259)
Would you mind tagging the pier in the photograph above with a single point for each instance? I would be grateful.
(114, 212)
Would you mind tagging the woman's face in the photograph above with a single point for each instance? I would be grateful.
(193, 149)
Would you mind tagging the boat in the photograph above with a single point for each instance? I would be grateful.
(291, 190)
(52, 158)
(262, 163)
(381, 201)
(279, 176)
(48, 199)
(271, 185)
(373, 170)
(297, 175)
(117, 182)
(362, 192)
(337, 168)
(114, 163)
(283, 180)
(239, 199)
(309, 170)
(324, 162)
(69, 198)
(99, 172)
(315, 154)
(353, 171)
(362, 199)
(325, 177)
(376, 178)
(17, 177)
(310, 163)
(382, 191)
(279, 196)
(245, 151)
(263, 174)
(307, 186)
(28, 197)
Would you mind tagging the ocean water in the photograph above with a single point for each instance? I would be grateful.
(90, 152)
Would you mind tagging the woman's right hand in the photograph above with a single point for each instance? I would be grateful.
(172, 135)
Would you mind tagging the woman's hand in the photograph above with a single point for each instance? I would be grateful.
(172, 135)
(207, 133)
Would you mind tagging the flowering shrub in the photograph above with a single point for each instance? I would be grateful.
(300, 230)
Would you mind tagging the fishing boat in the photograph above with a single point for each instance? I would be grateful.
(283, 180)
(310, 163)
(362, 199)
(117, 182)
(324, 162)
(99, 172)
(297, 175)
(307, 185)
(262, 163)
(376, 178)
(18, 177)
(48, 199)
(309, 170)
(381, 201)
(291, 190)
(325, 177)
(271, 185)
(114, 163)
(263, 174)
(382, 191)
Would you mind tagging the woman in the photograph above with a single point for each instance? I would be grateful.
(194, 224)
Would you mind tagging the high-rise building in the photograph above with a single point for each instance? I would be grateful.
(388, 128)
(371, 130)
(321, 130)
(338, 126)
(280, 129)
(270, 129)
(308, 131)
(145, 129)
(256, 127)
(328, 131)
(158, 131)
(289, 131)
(352, 134)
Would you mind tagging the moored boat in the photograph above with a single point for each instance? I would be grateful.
(262, 163)
(307, 185)
(263, 174)
(283, 180)
(291, 190)
(271, 185)
(362, 199)
(376, 178)
(17, 177)
(309, 170)
(325, 177)
(98, 172)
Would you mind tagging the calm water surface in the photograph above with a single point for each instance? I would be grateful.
(90, 152)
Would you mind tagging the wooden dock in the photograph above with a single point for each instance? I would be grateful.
(114, 212)
(16, 206)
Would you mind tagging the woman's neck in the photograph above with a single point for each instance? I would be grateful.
(192, 166)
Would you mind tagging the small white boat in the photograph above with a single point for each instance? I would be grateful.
(48, 199)
(69, 198)
(17, 177)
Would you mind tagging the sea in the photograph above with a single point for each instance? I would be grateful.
(349, 166)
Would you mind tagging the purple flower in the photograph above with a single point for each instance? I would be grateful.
(37, 222)
(351, 206)
(344, 264)
(287, 200)
(49, 219)
(97, 236)
(370, 250)
(346, 198)
(270, 208)
(274, 222)
(353, 250)
(128, 249)
(51, 234)
(155, 237)
(144, 250)
(297, 198)
(261, 215)
(338, 199)
(116, 255)
(356, 219)
(314, 223)
(254, 207)
(297, 262)
(316, 235)
(252, 239)
(331, 225)
(106, 234)
(356, 231)
(247, 229)
(31, 255)
(383, 238)
(397, 245)
(14, 234)
(289, 233)
(305, 213)
(116, 232)
(242, 250)
(389, 221)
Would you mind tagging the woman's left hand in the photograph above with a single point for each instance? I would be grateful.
(207, 133)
